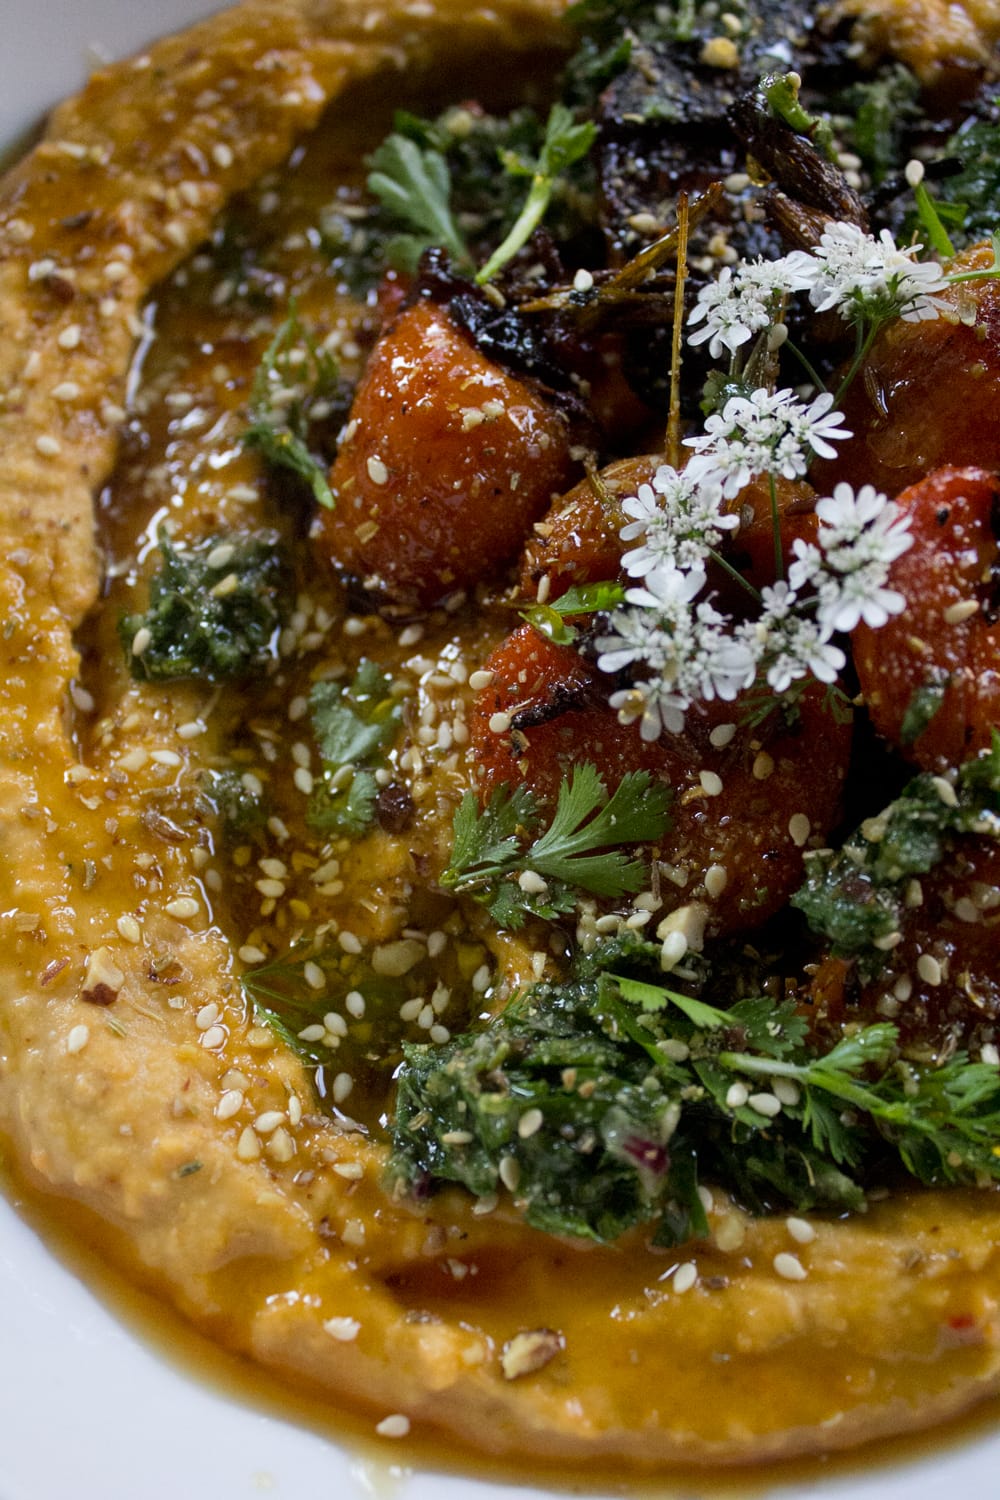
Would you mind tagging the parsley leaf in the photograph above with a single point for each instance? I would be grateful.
(354, 723)
(577, 852)
(296, 383)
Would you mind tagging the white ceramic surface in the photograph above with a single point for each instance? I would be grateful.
(88, 1408)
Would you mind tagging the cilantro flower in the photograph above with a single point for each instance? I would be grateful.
(741, 302)
(764, 433)
(789, 644)
(865, 277)
(679, 518)
(860, 536)
(687, 646)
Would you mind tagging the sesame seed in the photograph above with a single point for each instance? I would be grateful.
(222, 155)
(129, 928)
(479, 680)
(377, 471)
(342, 1086)
(166, 758)
(142, 640)
(352, 1171)
(675, 946)
(499, 723)
(272, 888)
(230, 1104)
(945, 791)
(183, 907)
(349, 942)
(48, 446)
(394, 1426)
(685, 1276)
(800, 1230)
(530, 1123)
(280, 1147)
(191, 729)
(78, 1038)
(737, 1095)
(786, 1091)
(354, 1004)
(716, 880)
(248, 1145)
(961, 611)
(532, 883)
(207, 1016)
(722, 735)
(509, 1172)
(711, 784)
(789, 1267)
(303, 780)
(765, 1104)
(929, 969)
(214, 1037)
(763, 766)
(66, 390)
(249, 954)
(481, 978)
(115, 270)
(799, 829)
(344, 1330)
(439, 1034)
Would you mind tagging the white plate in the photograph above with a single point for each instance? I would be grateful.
(91, 1409)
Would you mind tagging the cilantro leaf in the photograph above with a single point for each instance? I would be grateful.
(565, 143)
(585, 823)
(354, 723)
(582, 599)
(295, 383)
(578, 851)
(414, 184)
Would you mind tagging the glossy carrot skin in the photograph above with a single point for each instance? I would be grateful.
(947, 640)
(445, 462)
(742, 809)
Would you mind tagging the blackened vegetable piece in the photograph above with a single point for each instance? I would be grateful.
(214, 609)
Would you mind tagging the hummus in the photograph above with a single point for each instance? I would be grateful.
(134, 1078)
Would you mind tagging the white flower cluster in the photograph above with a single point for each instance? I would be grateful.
(681, 650)
(688, 652)
(767, 432)
(859, 276)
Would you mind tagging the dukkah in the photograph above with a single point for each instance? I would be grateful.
(500, 789)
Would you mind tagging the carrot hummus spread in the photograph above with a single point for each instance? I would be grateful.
(499, 794)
